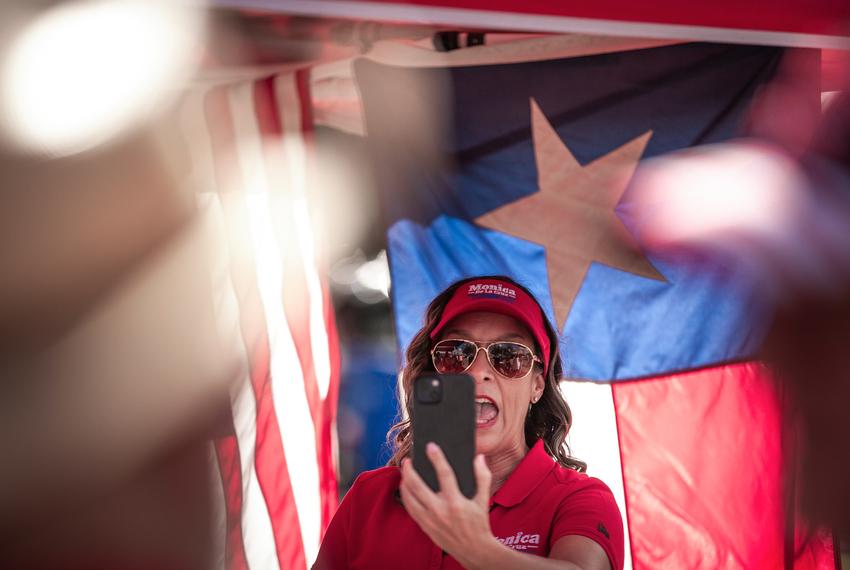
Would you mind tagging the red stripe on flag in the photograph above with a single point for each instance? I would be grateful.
(302, 84)
(327, 459)
(702, 464)
(295, 294)
(227, 448)
(330, 489)
(814, 551)
(269, 459)
(230, 467)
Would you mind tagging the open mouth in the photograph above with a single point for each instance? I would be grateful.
(486, 411)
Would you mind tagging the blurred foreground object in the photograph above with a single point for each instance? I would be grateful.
(778, 206)
(83, 71)
(112, 370)
(809, 339)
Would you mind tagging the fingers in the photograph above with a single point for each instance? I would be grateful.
(483, 480)
(413, 486)
(445, 473)
(422, 504)
(448, 518)
(412, 503)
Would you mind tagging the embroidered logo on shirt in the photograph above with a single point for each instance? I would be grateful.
(520, 541)
(601, 528)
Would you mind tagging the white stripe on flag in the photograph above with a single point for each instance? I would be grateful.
(289, 105)
(257, 531)
(593, 439)
(206, 202)
(288, 395)
(218, 512)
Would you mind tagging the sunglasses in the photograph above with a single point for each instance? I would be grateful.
(510, 359)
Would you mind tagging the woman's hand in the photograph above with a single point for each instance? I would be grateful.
(458, 525)
(461, 526)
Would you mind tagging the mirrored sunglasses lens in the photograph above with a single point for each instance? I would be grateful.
(453, 356)
(511, 360)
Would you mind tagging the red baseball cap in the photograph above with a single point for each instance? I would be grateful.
(497, 296)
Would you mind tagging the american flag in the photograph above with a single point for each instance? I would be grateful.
(251, 147)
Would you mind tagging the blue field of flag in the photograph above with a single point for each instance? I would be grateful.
(621, 314)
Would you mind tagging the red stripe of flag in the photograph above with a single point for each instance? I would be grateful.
(327, 459)
(702, 457)
(327, 465)
(230, 466)
(270, 461)
(302, 85)
(226, 448)
(295, 295)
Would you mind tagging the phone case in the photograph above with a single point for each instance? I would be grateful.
(448, 422)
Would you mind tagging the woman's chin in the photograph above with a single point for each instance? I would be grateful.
(486, 440)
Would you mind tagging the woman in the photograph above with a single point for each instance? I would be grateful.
(534, 507)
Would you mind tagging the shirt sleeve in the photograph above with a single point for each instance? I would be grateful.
(592, 512)
(333, 553)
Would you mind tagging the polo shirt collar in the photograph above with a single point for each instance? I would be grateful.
(526, 477)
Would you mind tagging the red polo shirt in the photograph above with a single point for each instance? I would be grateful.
(539, 503)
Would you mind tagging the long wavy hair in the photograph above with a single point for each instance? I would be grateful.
(549, 419)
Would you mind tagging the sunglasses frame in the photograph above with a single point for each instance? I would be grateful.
(485, 346)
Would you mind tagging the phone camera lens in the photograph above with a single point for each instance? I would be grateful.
(429, 390)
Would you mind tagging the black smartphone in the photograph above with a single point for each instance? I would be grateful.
(444, 412)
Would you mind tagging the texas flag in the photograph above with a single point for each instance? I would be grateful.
(523, 169)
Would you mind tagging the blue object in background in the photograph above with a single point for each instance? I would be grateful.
(367, 407)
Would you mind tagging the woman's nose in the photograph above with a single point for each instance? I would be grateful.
(480, 369)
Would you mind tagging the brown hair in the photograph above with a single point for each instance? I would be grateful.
(549, 419)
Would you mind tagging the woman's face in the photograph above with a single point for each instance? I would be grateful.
(501, 403)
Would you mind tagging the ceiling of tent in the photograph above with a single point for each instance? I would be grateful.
(800, 23)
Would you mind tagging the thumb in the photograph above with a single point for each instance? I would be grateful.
(483, 479)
